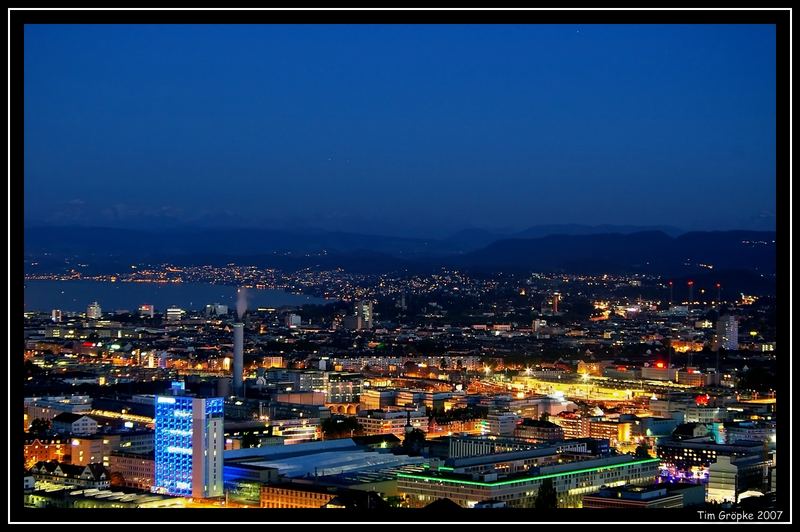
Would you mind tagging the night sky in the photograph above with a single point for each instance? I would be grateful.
(388, 129)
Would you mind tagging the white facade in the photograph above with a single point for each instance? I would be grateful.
(208, 444)
(502, 424)
(391, 422)
(82, 426)
(722, 478)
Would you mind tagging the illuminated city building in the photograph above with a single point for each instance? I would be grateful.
(88, 476)
(49, 407)
(293, 321)
(295, 496)
(536, 430)
(727, 333)
(571, 481)
(189, 442)
(45, 451)
(655, 496)
(364, 311)
(136, 470)
(175, 314)
(380, 422)
(728, 477)
(216, 309)
(94, 312)
(74, 424)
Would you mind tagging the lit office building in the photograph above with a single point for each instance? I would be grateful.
(727, 333)
(94, 312)
(175, 314)
(189, 442)
(571, 481)
(364, 311)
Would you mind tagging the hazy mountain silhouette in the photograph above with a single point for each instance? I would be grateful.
(646, 251)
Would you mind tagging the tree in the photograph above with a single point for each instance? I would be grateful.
(580, 308)
(250, 440)
(395, 501)
(414, 442)
(546, 497)
(642, 450)
(759, 379)
(117, 479)
(341, 427)
(39, 427)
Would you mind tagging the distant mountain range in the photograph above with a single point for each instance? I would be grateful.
(568, 248)
(646, 252)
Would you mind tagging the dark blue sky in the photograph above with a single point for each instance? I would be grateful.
(374, 128)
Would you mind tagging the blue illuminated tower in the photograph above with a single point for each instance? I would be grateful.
(189, 442)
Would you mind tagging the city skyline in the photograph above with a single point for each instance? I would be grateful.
(506, 260)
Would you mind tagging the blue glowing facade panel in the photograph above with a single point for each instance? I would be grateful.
(177, 422)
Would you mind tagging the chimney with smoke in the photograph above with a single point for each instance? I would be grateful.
(238, 342)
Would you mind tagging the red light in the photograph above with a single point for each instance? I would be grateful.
(701, 399)
(691, 283)
(670, 283)
(659, 365)
(718, 285)
(88, 344)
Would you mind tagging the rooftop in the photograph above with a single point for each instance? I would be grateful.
(584, 466)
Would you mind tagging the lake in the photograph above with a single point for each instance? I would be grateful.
(75, 296)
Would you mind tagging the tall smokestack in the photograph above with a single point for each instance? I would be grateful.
(238, 357)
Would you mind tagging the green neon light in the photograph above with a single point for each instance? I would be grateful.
(529, 479)
(445, 468)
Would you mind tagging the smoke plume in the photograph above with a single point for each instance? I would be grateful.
(241, 302)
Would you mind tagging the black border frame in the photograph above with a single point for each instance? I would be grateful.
(586, 15)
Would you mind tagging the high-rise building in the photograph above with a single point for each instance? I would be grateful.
(364, 311)
(189, 442)
(175, 313)
(55, 315)
(216, 309)
(293, 321)
(727, 333)
(93, 311)
(146, 311)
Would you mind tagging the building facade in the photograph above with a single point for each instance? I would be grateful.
(572, 481)
(727, 333)
(136, 470)
(189, 443)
